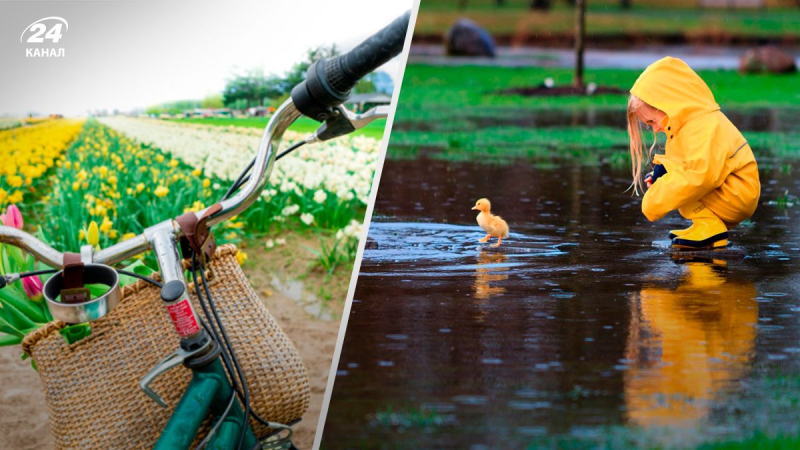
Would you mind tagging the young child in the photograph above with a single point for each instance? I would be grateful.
(708, 172)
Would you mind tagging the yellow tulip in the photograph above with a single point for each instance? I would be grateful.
(93, 235)
(206, 183)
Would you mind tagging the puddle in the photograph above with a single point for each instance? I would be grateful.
(698, 57)
(581, 328)
(296, 291)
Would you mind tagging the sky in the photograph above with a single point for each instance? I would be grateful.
(134, 54)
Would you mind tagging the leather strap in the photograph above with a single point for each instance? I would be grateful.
(73, 290)
(196, 234)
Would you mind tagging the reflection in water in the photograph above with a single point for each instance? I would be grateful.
(545, 358)
(688, 344)
(487, 273)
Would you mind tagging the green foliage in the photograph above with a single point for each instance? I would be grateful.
(213, 101)
(251, 88)
(176, 107)
(334, 252)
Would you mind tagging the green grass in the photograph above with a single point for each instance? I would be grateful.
(440, 107)
(759, 441)
(610, 20)
(428, 88)
(302, 125)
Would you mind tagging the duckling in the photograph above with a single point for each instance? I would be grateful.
(494, 225)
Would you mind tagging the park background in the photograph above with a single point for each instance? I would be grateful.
(582, 330)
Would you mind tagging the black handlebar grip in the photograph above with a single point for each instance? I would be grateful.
(346, 70)
(329, 81)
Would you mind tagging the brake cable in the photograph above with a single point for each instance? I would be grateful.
(224, 342)
(244, 177)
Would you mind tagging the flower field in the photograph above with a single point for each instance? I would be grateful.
(107, 180)
(120, 186)
(29, 155)
(322, 186)
(104, 181)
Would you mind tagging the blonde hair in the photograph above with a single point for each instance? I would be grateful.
(636, 147)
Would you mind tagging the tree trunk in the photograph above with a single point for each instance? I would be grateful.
(580, 33)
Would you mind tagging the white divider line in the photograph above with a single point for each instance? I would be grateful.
(365, 228)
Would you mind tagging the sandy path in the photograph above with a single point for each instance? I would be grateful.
(23, 411)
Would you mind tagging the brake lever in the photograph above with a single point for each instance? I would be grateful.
(174, 359)
(343, 122)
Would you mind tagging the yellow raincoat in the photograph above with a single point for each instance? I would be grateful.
(707, 158)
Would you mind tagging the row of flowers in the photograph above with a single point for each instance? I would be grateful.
(323, 185)
(110, 188)
(29, 155)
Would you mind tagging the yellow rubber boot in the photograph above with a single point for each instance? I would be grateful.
(678, 233)
(707, 230)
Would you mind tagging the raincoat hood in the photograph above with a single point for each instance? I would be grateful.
(670, 85)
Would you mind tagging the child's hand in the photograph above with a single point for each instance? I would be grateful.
(658, 171)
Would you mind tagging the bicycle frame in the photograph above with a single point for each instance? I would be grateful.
(211, 391)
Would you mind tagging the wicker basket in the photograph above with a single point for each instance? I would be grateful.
(92, 387)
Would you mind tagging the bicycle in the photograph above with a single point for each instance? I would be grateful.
(217, 378)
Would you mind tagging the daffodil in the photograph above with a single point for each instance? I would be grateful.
(241, 257)
(161, 191)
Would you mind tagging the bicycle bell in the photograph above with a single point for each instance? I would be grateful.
(86, 309)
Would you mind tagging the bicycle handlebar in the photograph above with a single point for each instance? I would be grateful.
(267, 151)
(329, 81)
(327, 85)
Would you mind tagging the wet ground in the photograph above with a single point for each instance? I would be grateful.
(582, 328)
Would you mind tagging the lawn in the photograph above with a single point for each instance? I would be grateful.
(457, 113)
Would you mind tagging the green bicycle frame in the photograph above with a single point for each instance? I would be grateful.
(211, 391)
